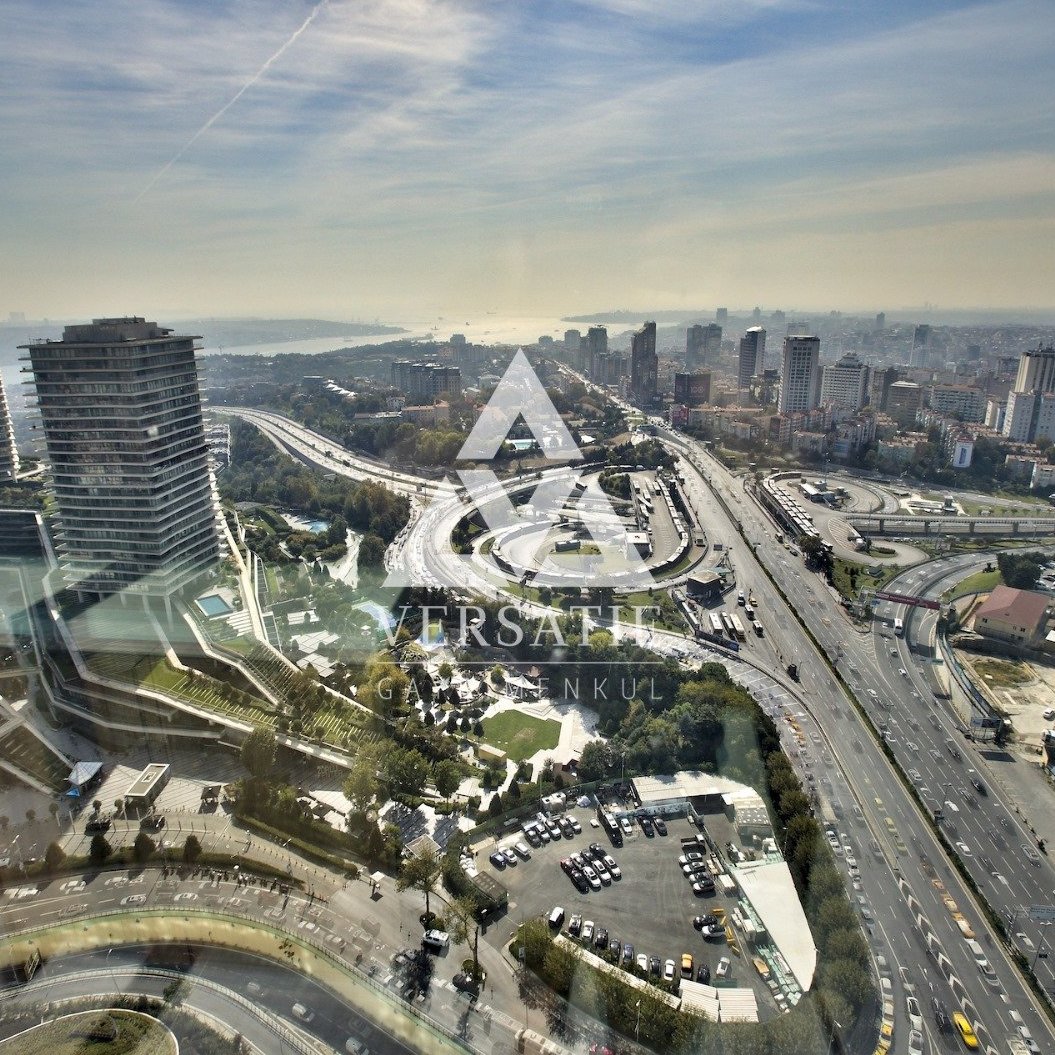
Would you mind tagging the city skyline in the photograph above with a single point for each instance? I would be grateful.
(336, 159)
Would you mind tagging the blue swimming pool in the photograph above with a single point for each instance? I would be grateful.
(213, 605)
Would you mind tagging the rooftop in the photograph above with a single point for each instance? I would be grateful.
(1021, 607)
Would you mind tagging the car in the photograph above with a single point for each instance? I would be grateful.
(660, 826)
(965, 850)
(655, 966)
(626, 826)
(498, 859)
(576, 827)
(613, 868)
(873, 694)
(689, 858)
(669, 970)
(254, 988)
(73, 886)
(703, 889)
(964, 1030)
(187, 895)
(591, 878)
(554, 830)
(642, 963)
(1049, 714)
(587, 931)
(577, 859)
(510, 855)
(941, 1016)
(602, 873)
(567, 865)
(533, 837)
(305, 1014)
(915, 1042)
(134, 899)
(1027, 1039)
(597, 850)
(648, 828)
(1031, 855)
(600, 939)
(724, 967)
(703, 974)
(580, 881)
(893, 652)
(575, 925)
(915, 1015)
(903, 672)
(687, 965)
(615, 949)
(522, 851)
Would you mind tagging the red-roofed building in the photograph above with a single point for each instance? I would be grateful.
(1019, 617)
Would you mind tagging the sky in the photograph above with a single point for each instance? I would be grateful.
(356, 159)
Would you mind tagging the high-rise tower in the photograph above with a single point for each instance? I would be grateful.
(8, 450)
(800, 377)
(752, 357)
(135, 498)
(644, 365)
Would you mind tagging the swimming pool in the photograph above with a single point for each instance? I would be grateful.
(213, 605)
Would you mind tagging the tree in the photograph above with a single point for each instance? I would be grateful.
(360, 786)
(53, 809)
(191, 850)
(421, 872)
(464, 929)
(258, 752)
(54, 856)
(513, 792)
(97, 805)
(446, 775)
(1020, 570)
(495, 806)
(407, 771)
(100, 849)
(31, 815)
(595, 761)
(143, 848)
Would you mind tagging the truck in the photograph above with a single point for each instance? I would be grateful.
(758, 629)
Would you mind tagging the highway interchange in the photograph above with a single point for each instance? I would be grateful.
(857, 778)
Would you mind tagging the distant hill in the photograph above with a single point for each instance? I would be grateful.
(235, 333)
(636, 318)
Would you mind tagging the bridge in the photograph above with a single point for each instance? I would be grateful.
(935, 524)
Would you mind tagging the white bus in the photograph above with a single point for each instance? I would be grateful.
(899, 628)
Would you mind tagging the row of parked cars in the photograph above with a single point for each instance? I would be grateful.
(694, 866)
(591, 869)
(540, 831)
(597, 938)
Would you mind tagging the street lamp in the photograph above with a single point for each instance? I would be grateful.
(1040, 946)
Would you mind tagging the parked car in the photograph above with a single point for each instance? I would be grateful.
(703, 974)
(647, 828)
(575, 925)
(509, 854)
(661, 826)
(601, 938)
(587, 931)
(669, 970)
(498, 859)
(655, 966)
(687, 965)
(724, 967)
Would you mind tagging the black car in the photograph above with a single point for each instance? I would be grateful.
(703, 974)
(941, 1016)
(597, 850)
(498, 860)
(661, 827)
(575, 926)
(98, 824)
(655, 966)
(566, 827)
(615, 949)
(601, 940)
(647, 828)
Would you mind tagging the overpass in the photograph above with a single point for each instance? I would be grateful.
(963, 526)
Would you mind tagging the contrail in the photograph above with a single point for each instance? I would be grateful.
(237, 95)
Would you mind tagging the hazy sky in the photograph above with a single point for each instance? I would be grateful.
(400, 157)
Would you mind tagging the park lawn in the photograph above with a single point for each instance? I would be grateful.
(135, 1035)
(980, 582)
(521, 735)
(1003, 674)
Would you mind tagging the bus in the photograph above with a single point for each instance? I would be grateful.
(610, 825)
(757, 627)
(899, 628)
(727, 622)
(738, 628)
(716, 623)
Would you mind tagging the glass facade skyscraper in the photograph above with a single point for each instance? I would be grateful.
(135, 499)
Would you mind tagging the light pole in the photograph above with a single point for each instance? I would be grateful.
(1040, 946)
(637, 1027)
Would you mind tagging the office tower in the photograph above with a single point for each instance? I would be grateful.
(721, 316)
(958, 401)
(752, 357)
(1030, 404)
(881, 321)
(881, 382)
(121, 416)
(800, 375)
(596, 344)
(756, 315)
(903, 402)
(703, 345)
(8, 450)
(573, 349)
(692, 390)
(423, 382)
(845, 383)
(644, 365)
(777, 319)
(920, 355)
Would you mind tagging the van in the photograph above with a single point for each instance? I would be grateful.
(305, 1014)
(556, 918)
(436, 939)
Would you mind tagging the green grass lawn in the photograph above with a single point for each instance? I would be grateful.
(980, 582)
(135, 1035)
(521, 735)
(1003, 674)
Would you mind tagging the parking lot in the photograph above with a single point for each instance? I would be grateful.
(651, 907)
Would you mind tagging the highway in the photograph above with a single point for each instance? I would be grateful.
(908, 847)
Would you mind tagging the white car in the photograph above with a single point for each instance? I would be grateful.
(915, 1016)
(722, 970)
(642, 963)
(305, 1014)
(186, 896)
(117, 881)
(134, 899)
(587, 932)
(624, 823)
(614, 869)
(903, 672)
(915, 1042)
(965, 850)
(72, 886)
(670, 968)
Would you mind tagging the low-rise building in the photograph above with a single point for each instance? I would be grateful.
(1018, 617)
